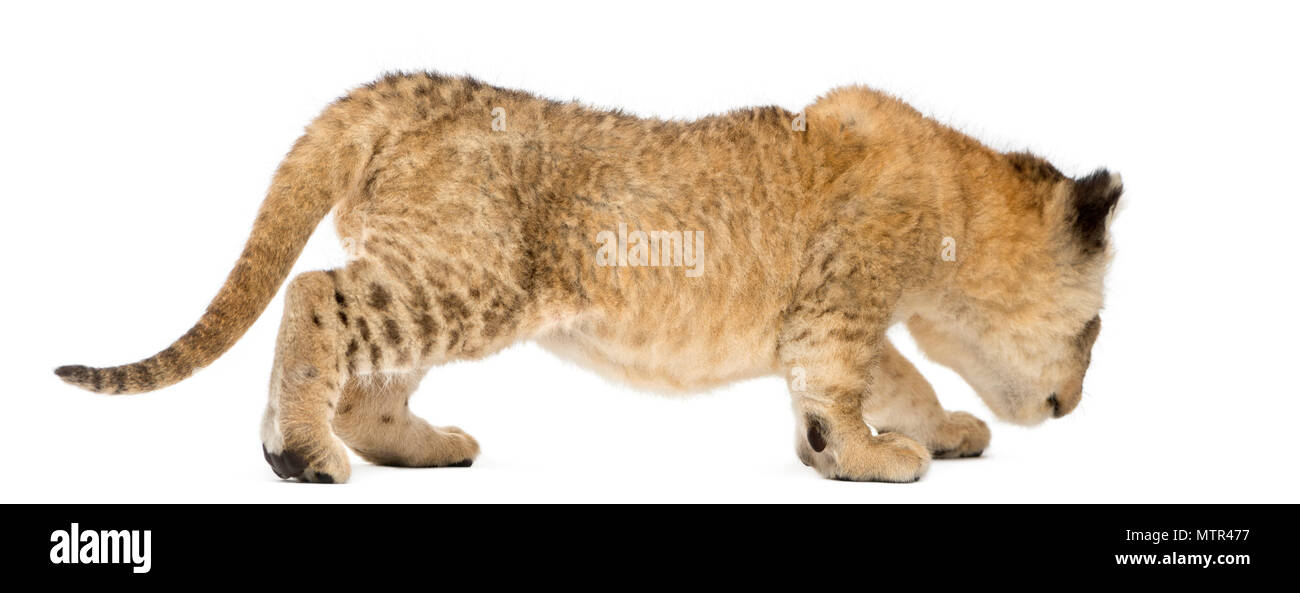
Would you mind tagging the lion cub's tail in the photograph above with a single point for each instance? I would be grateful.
(317, 171)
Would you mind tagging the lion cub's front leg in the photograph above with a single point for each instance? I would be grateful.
(831, 437)
(903, 401)
(829, 343)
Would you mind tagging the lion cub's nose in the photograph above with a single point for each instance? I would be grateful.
(1064, 404)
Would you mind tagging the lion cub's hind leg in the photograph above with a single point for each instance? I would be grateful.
(355, 342)
(374, 418)
(305, 384)
(903, 401)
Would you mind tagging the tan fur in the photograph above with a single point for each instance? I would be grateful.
(468, 238)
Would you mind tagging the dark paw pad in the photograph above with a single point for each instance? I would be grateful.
(285, 464)
(317, 478)
(816, 435)
(975, 454)
(462, 463)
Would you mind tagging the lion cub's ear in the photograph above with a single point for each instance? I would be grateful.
(1093, 201)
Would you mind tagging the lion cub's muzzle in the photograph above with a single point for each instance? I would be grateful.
(1062, 403)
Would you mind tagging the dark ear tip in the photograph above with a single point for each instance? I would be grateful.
(1100, 173)
(1095, 196)
(1100, 182)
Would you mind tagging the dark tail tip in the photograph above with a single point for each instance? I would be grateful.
(72, 373)
(81, 376)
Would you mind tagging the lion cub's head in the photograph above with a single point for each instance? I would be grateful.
(1019, 317)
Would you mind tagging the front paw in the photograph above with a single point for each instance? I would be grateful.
(959, 435)
(854, 454)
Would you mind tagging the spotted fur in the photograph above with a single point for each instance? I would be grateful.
(468, 237)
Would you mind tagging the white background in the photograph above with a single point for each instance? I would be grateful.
(138, 141)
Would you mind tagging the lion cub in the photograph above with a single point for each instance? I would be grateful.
(673, 255)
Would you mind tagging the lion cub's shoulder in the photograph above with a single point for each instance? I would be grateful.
(865, 114)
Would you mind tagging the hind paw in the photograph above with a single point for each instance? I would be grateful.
(329, 467)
